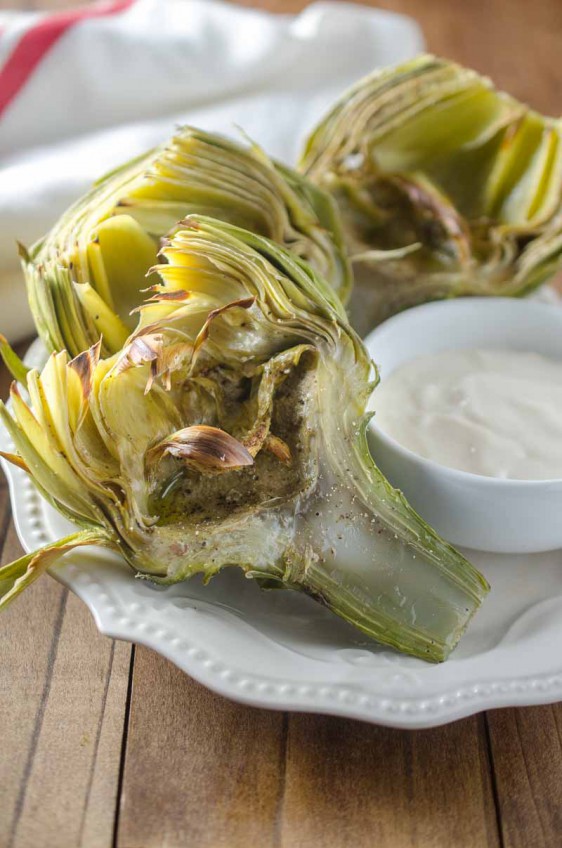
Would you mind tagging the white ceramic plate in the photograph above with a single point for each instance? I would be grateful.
(282, 650)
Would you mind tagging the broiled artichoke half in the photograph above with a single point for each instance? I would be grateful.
(231, 431)
(446, 187)
(86, 275)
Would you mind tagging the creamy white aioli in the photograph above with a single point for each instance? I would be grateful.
(492, 412)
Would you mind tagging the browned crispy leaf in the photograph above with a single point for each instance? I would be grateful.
(15, 460)
(144, 347)
(209, 450)
(279, 448)
(84, 364)
(244, 303)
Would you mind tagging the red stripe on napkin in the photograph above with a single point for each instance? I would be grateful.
(38, 40)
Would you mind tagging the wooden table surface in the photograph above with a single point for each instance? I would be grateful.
(105, 744)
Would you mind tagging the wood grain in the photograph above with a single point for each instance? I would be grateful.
(348, 783)
(62, 704)
(199, 770)
(527, 754)
(202, 772)
(226, 776)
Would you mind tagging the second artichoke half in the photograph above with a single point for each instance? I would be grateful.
(446, 187)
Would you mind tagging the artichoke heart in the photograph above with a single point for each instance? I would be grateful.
(446, 187)
(230, 430)
(86, 276)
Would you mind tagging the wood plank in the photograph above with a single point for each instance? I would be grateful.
(349, 783)
(62, 703)
(526, 747)
(200, 771)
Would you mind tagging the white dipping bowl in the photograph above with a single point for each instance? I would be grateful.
(485, 513)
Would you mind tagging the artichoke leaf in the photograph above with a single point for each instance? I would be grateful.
(18, 575)
(248, 449)
(429, 152)
(85, 277)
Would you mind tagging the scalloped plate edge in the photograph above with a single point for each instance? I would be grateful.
(258, 690)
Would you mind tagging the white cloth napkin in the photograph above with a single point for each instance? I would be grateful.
(81, 92)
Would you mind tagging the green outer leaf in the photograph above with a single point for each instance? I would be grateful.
(13, 363)
(18, 575)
